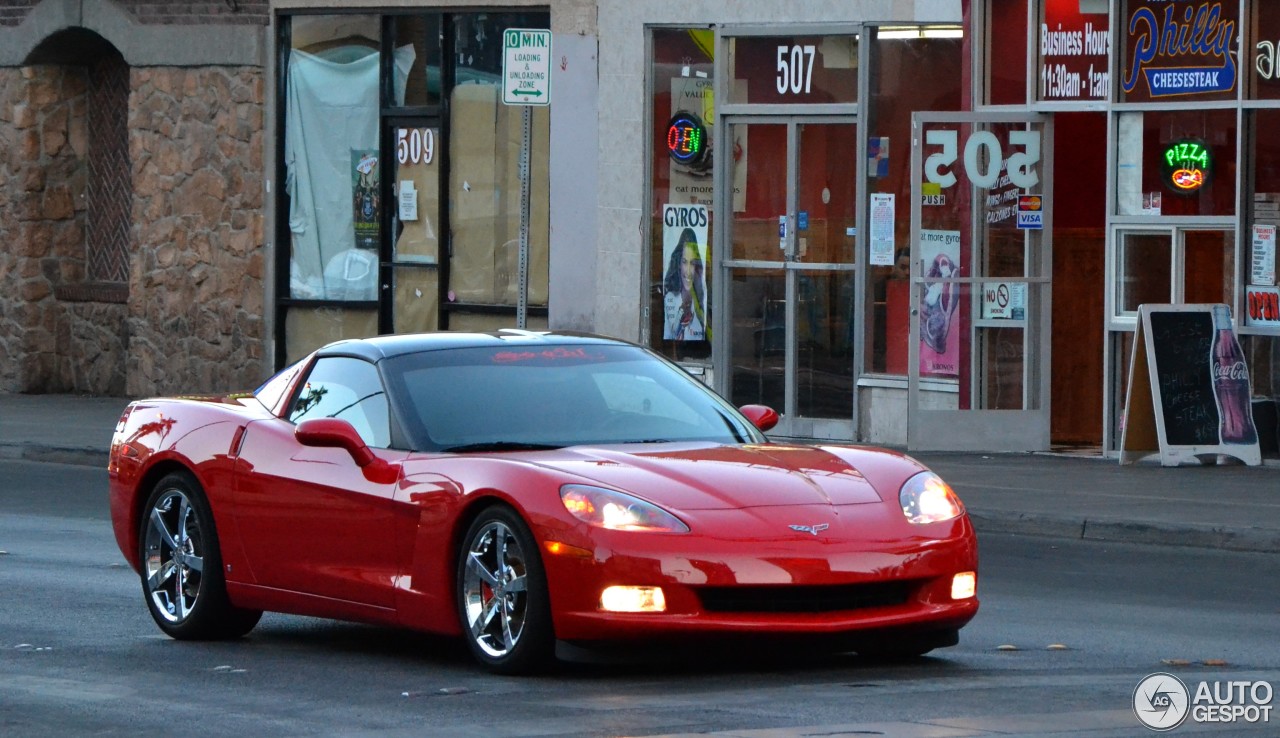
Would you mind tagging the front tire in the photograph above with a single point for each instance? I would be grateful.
(503, 603)
(181, 572)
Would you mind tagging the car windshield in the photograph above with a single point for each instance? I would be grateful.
(531, 397)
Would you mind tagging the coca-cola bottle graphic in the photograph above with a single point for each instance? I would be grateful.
(1231, 383)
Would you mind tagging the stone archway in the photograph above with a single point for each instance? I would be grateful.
(132, 197)
(71, 203)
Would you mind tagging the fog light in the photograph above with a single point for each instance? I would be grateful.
(633, 599)
(964, 585)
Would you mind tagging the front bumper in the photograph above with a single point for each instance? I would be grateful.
(893, 579)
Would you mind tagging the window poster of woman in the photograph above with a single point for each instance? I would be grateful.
(939, 344)
(684, 284)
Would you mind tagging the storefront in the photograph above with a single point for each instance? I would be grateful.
(794, 261)
(828, 234)
(402, 204)
(929, 229)
(1193, 180)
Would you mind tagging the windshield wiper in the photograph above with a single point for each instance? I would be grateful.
(499, 446)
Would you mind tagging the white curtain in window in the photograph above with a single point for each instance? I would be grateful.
(331, 122)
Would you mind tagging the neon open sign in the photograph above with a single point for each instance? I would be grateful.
(1186, 165)
(686, 138)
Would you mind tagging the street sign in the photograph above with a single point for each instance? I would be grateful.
(526, 66)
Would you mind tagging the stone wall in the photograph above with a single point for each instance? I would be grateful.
(93, 342)
(195, 317)
(193, 321)
(42, 168)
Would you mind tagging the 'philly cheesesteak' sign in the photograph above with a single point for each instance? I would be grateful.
(1180, 47)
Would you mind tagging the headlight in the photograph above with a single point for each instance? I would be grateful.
(606, 508)
(926, 498)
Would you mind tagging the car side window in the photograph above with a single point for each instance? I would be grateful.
(349, 389)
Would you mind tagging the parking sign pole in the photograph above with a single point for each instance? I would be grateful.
(526, 142)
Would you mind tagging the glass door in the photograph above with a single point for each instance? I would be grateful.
(790, 270)
(978, 364)
(410, 283)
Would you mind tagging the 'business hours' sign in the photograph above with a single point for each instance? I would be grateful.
(1180, 48)
(1075, 45)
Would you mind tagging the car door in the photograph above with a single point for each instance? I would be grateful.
(311, 520)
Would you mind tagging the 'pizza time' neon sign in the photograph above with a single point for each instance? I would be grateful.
(1186, 165)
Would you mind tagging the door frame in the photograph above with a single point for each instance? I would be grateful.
(1026, 429)
(789, 424)
(389, 261)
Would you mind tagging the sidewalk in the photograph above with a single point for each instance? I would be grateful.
(1229, 506)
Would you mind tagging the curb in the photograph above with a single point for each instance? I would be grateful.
(1260, 540)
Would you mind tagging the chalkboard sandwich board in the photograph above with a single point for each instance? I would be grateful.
(1189, 397)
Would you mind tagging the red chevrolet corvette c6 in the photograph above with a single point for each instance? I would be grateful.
(527, 489)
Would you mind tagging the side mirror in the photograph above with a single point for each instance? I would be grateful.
(334, 433)
(761, 416)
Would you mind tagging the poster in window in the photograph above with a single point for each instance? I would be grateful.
(1263, 265)
(364, 188)
(684, 282)
(939, 337)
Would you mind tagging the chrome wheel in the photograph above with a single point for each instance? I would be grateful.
(173, 556)
(181, 566)
(495, 596)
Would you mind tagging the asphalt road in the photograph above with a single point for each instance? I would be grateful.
(79, 654)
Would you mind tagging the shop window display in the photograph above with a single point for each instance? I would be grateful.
(344, 104)
(681, 227)
(907, 74)
(331, 155)
(331, 113)
(1259, 318)
(1261, 265)
(1176, 162)
(484, 181)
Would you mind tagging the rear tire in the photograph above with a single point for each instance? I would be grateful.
(181, 565)
(503, 604)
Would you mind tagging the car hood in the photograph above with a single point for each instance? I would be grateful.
(714, 477)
